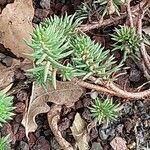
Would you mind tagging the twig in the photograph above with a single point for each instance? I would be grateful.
(130, 95)
(140, 87)
(129, 13)
(95, 25)
(112, 89)
(95, 87)
(144, 53)
(53, 117)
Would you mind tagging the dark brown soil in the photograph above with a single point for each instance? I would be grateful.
(133, 125)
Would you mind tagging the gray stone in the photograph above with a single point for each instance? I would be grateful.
(45, 4)
(23, 146)
(8, 61)
(96, 146)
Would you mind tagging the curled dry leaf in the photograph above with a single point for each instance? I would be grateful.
(67, 93)
(15, 25)
(79, 132)
(118, 144)
(53, 118)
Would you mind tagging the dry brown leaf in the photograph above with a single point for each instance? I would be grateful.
(15, 25)
(79, 132)
(67, 93)
(6, 76)
(118, 144)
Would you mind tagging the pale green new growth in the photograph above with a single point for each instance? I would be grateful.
(127, 40)
(104, 110)
(89, 58)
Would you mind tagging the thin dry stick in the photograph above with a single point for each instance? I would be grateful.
(129, 13)
(114, 90)
(131, 95)
(143, 50)
(95, 87)
(95, 25)
(53, 117)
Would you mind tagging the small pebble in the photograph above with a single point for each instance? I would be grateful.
(96, 146)
(22, 96)
(3, 2)
(2, 56)
(7, 61)
(41, 13)
(54, 144)
(22, 146)
(45, 4)
(42, 144)
(93, 133)
(18, 118)
(135, 75)
(20, 107)
(86, 102)
(87, 115)
(65, 124)
(20, 134)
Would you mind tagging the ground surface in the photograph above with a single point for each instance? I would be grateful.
(133, 124)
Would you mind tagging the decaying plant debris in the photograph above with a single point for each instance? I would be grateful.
(76, 48)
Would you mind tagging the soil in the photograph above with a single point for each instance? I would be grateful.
(133, 125)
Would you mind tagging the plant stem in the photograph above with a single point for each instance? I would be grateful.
(112, 89)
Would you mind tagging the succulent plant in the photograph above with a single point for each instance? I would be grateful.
(89, 58)
(104, 110)
(6, 106)
(5, 143)
(127, 40)
(51, 44)
(60, 50)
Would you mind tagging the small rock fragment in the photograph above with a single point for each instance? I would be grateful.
(118, 144)
(41, 13)
(22, 96)
(54, 144)
(65, 124)
(20, 107)
(135, 75)
(42, 144)
(87, 115)
(32, 140)
(86, 102)
(103, 135)
(8, 61)
(2, 56)
(23, 146)
(96, 146)
(20, 134)
(3, 2)
(93, 133)
(18, 118)
(45, 4)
